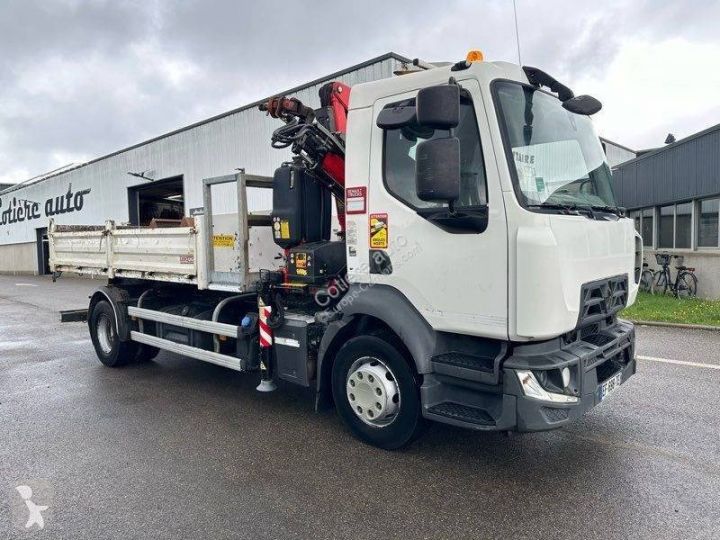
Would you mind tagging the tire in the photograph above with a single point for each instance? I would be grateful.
(686, 286)
(659, 283)
(646, 281)
(145, 353)
(375, 367)
(109, 349)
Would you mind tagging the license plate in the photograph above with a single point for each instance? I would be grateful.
(610, 385)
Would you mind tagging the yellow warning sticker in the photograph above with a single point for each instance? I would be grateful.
(224, 240)
(285, 229)
(378, 231)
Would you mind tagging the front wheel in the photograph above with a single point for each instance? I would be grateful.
(376, 392)
(103, 331)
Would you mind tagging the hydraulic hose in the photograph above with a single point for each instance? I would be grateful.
(277, 314)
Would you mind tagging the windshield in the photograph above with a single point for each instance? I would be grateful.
(556, 154)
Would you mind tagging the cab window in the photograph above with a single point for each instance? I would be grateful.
(399, 159)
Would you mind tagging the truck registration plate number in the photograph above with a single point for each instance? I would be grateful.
(610, 385)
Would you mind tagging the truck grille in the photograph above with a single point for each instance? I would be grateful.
(602, 299)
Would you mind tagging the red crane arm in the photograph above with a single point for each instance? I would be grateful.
(317, 136)
(336, 96)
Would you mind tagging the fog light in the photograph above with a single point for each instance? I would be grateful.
(565, 376)
(532, 388)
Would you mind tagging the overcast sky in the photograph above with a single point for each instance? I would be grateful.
(79, 79)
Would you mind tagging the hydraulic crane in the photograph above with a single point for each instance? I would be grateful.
(316, 137)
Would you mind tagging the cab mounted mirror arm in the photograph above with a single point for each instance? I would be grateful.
(583, 104)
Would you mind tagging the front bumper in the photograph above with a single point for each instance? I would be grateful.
(594, 354)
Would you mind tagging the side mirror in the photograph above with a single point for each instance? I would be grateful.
(437, 169)
(438, 107)
(396, 118)
(582, 105)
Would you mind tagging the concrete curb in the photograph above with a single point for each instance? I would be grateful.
(677, 325)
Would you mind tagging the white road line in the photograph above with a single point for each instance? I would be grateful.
(678, 362)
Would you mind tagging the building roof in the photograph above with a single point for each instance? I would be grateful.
(38, 178)
(644, 154)
(52, 174)
(681, 171)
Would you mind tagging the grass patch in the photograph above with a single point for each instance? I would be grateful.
(666, 308)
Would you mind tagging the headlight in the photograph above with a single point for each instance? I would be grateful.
(532, 388)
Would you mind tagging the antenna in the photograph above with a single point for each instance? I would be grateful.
(517, 33)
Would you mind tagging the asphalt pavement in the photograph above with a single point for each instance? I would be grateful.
(177, 448)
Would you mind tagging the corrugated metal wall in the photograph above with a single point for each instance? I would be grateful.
(218, 147)
(688, 169)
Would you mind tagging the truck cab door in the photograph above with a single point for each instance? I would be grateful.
(457, 280)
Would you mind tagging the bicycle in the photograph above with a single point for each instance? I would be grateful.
(646, 278)
(685, 285)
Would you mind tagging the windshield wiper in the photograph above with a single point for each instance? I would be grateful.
(618, 211)
(570, 209)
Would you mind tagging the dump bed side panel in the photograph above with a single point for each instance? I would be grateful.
(79, 249)
(168, 254)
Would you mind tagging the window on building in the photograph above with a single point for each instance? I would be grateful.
(666, 226)
(648, 217)
(708, 223)
(399, 159)
(644, 220)
(683, 226)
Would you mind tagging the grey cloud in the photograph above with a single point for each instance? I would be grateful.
(114, 87)
(29, 28)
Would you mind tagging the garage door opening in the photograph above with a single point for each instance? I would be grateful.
(159, 200)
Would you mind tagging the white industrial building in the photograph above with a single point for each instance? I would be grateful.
(166, 171)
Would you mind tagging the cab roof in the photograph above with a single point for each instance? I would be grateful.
(366, 94)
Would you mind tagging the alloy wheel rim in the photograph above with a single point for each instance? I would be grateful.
(372, 392)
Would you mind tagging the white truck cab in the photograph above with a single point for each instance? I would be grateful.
(477, 280)
(521, 278)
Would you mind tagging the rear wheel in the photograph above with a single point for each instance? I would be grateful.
(103, 332)
(659, 283)
(376, 392)
(686, 285)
